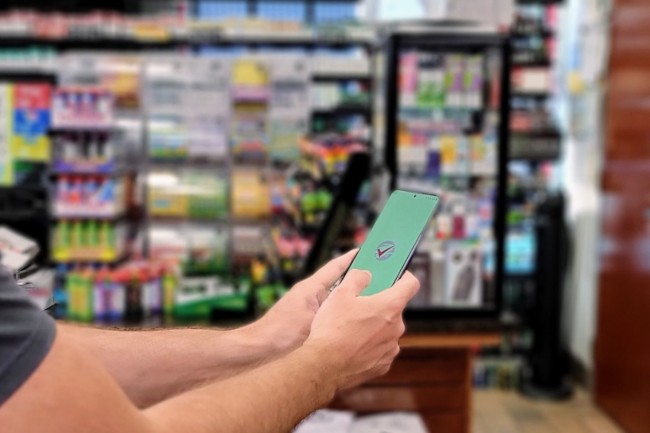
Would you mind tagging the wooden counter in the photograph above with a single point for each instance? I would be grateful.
(431, 376)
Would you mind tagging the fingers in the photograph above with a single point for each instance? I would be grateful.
(326, 276)
(402, 291)
(355, 281)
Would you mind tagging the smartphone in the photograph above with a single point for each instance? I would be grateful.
(391, 243)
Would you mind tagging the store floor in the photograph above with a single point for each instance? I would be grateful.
(509, 412)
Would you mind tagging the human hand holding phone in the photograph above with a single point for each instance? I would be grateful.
(358, 336)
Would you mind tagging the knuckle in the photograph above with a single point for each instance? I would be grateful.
(396, 305)
(301, 286)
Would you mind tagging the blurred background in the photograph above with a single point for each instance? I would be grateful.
(171, 162)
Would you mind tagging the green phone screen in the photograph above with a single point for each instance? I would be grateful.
(393, 238)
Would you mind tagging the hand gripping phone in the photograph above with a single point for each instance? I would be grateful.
(391, 243)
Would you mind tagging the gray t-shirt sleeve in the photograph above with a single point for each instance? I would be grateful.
(26, 335)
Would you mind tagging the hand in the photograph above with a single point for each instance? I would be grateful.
(359, 335)
(288, 322)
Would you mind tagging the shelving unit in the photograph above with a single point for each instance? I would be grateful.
(535, 145)
(89, 206)
(446, 115)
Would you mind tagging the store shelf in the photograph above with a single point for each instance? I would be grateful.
(106, 42)
(122, 258)
(340, 76)
(531, 95)
(545, 63)
(540, 133)
(539, 2)
(162, 163)
(91, 43)
(41, 73)
(342, 110)
(95, 217)
(111, 172)
(187, 219)
(536, 146)
(537, 33)
(76, 129)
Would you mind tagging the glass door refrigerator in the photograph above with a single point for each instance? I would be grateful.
(446, 133)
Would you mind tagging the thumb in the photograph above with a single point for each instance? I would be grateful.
(355, 281)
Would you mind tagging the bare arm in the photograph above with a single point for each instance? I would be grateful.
(352, 340)
(71, 392)
(151, 366)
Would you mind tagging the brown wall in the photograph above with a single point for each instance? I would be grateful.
(622, 350)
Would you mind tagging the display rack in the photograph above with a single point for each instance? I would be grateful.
(536, 144)
(446, 133)
(68, 56)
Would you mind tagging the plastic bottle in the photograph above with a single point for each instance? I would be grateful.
(133, 312)
(63, 191)
(150, 277)
(118, 289)
(71, 286)
(77, 240)
(92, 237)
(101, 295)
(107, 237)
(89, 196)
(75, 194)
(106, 194)
(169, 289)
(86, 286)
(63, 235)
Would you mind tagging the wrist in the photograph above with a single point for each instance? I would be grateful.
(323, 364)
(331, 362)
(264, 339)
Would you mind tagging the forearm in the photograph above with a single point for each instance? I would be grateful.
(151, 366)
(71, 393)
(269, 399)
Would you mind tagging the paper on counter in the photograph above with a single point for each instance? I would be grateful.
(326, 421)
(398, 422)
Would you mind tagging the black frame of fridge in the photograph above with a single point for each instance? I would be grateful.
(446, 39)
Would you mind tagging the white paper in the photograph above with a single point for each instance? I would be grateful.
(389, 423)
(327, 421)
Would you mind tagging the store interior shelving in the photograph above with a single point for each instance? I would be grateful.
(217, 220)
(536, 146)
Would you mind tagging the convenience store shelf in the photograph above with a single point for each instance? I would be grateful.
(340, 76)
(539, 2)
(106, 42)
(115, 217)
(543, 63)
(342, 110)
(531, 95)
(535, 33)
(154, 219)
(181, 163)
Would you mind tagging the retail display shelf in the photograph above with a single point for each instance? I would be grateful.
(108, 216)
(107, 42)
(212, 221)
(539, 133)
(180, 163)
(342, 110)
(113, 260)
(336, 76)
(91, 171)
(531, 95)
(533, 33)
(544, 63)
